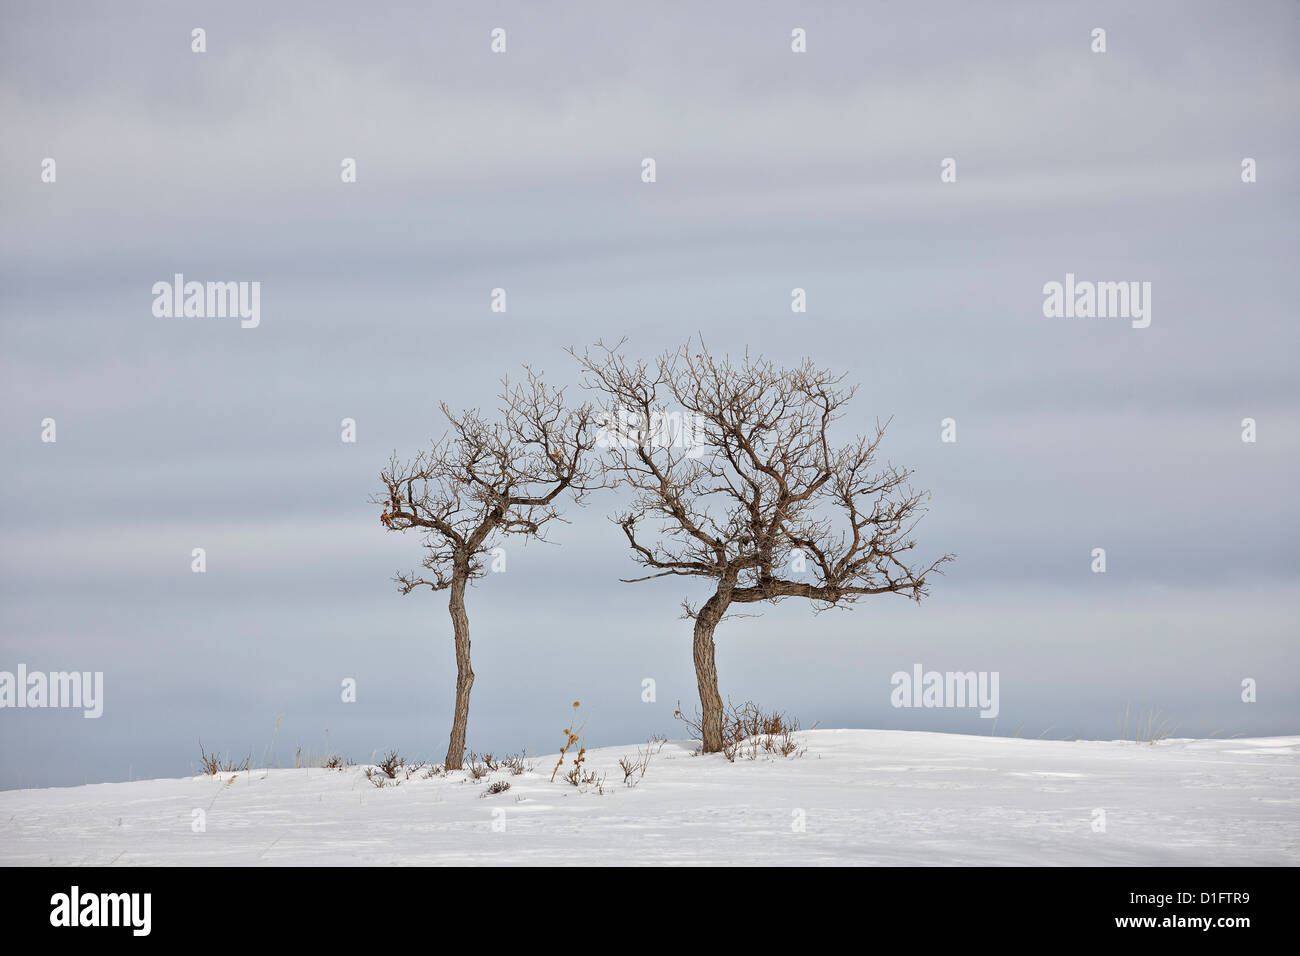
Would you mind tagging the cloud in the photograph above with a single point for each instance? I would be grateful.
(775, 170)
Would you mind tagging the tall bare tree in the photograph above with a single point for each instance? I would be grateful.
(753, 492)
(483, 481)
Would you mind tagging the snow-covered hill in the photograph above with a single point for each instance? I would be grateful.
(855, 797)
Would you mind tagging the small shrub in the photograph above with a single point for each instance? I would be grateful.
(517, 765)
(379, 778)
(212, 764)
(629, 768)
(497, 786)
(391, 763)
(584, 780)
(748, 730)
(479, 767)
(634, 768)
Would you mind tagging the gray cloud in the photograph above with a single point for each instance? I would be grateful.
(775, 171)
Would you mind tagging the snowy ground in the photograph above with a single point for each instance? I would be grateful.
(864, 796)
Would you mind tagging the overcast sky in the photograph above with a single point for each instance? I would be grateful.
(522, 170)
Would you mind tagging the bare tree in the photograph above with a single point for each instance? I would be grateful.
(755, 497)
(483, 481)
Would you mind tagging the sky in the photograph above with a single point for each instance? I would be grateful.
(522, 170)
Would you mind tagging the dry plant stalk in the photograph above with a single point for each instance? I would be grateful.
(571, 738)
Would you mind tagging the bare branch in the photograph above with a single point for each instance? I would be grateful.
(487, 479)
(763, 483)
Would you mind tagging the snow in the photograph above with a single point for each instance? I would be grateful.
(864, 796)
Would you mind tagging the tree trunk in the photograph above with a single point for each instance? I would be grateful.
(464, 673)
(706, 670)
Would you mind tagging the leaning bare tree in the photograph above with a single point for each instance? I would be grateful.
(732, 467)
(485, 480)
